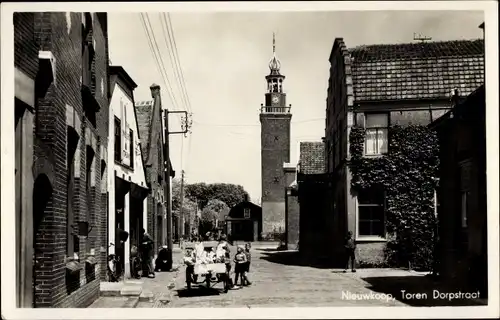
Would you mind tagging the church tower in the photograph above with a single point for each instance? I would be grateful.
(275, 118)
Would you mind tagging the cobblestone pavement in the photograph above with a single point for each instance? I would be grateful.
(163, 284)
(279, 279)
(277, 284)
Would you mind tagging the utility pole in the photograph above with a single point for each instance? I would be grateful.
(181, 211)
(186, 125)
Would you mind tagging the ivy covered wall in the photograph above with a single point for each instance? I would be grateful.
(407, 175)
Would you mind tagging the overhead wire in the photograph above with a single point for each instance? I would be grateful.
(157, 56)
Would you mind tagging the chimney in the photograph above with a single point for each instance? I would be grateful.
(155, 90)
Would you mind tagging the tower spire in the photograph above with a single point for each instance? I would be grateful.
(274, 64)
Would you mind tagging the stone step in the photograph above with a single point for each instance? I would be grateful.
(131, 290)
(110, 289)
(115, 302)
(146, 296)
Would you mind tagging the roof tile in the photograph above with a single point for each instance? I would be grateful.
(144, 111)
(417, 70)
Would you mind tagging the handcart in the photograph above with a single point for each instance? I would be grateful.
(211, 273)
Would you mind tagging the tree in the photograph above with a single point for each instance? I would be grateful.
(176, 194)
(214, 211)
(230, 194)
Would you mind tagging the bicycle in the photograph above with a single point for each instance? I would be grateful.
(135, 263)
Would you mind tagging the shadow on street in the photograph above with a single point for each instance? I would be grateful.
(418, 284)
(268, 249)
(291, 258)
(200, 291)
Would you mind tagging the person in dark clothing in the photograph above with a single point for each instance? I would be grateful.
(147, 252)
(161, 263)
(350, 249)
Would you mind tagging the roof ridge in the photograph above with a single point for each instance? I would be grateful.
(362, 46)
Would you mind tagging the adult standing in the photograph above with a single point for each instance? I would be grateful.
(147, 244)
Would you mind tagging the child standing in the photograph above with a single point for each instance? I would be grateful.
(239, 264)
(350, 248)
(246, 268)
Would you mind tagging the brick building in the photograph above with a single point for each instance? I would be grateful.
(63, 115)
(378, 86)
(275, 118)
(315, 223)
(150, 121)
(462, 217)
(127, 187)
(291, 207)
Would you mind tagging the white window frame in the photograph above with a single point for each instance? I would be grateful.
(378, 152)
(246, 213)
(435, 203)
(369, 237)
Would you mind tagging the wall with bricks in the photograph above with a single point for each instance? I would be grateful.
(149, 118)
(275, 151)
(62, 107)
(25, 47)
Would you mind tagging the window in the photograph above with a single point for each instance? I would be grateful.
(246, 213)
(72, 241)
(132, 148)
(118, 140)
(88, 179)
(371, 213)
(376, 141)
(437, 203)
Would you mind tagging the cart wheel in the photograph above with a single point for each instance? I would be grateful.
(188, 282)
(207, 280)
(226, 284)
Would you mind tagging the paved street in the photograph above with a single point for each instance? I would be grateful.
(277, 285)
(279, 279)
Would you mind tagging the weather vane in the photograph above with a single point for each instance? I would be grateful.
(274, 44)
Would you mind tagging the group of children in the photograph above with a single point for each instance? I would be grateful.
(221, 254)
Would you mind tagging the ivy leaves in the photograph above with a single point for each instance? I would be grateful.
(408, 176)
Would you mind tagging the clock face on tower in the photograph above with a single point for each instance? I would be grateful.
(276, 99)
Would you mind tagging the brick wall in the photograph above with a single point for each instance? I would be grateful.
(154, 165)
(275, 150)
(25, 47)
(293, 221)
(370, 254)
(61, 34)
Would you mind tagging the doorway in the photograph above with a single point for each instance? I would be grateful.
(159, 229)
(42, 203)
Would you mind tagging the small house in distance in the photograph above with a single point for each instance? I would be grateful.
(244, 222)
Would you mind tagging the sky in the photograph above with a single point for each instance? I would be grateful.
(224, 58)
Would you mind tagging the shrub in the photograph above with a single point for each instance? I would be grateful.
(407, 174)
